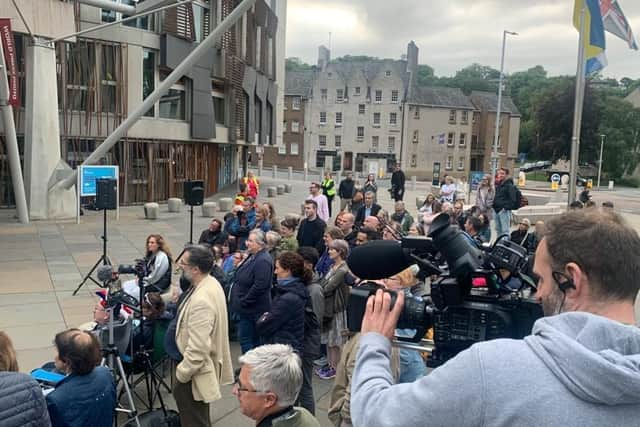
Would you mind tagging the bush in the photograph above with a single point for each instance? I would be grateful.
(630, 181)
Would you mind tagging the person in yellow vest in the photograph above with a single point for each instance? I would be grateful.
(243, 193)
(253, 184)
(328, 189)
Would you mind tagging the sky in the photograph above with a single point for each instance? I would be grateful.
(452, 34)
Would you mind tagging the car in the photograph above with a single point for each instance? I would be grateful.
(580, 181)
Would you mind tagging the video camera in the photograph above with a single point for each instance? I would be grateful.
(469, 302)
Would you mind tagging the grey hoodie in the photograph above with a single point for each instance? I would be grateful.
(576, 369)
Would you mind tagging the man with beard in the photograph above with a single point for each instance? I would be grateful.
(402, 217)
(202, 339)
(581, 361)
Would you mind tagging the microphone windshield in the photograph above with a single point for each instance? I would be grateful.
(104, 273)
(378, 259)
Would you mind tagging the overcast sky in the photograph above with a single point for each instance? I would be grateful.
(454, 33)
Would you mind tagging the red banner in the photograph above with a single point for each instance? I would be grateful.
(8, 44)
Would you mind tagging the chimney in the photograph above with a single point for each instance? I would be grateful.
(324, 55)
(412, 57)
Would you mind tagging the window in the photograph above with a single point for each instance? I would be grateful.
(416, 136)
(323, 117)
(360, 108)
(295, 126)
(293, 148)
(394, 96)
(450, 137)
(465, 117)
(285, 127)
(218, 110)
(393, 118)
(392, 144)
(452, 116)
(282, 150)
(414, 160)
(322, 140)
(376, 119)
(449, 164)
(143, 23)
(148, 77)
(357, 90)
(475, 118)
(107, 78)
(461, 163)
(416, 113)
(463, 139)
(374, 143)
(199, 16)
(323, 95)
(295, 102)
(338, 119)
(338, 140)
(360, 133)
(339, 95)
(378, 96)
(387, 73)
(172, 104)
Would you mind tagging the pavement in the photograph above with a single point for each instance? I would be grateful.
(42, 263)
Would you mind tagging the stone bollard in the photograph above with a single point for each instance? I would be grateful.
(174, 204)
(420, 201)
(280, 189)
(272, 191)
(275, 171)
(151, 210)
(209, 209)
(290, 173)
(610, 186)
(288, 188)
(225, 204)
(413, 182)
(305, 174)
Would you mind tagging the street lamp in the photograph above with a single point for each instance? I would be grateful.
(494, 154)
(602, 136)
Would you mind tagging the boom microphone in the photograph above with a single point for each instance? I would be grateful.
(104, 273)
(379, 259)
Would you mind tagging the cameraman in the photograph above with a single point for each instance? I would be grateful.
(581, 363)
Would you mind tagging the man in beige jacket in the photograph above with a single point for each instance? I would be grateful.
(202, 339)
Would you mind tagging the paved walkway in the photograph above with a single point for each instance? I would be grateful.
(42, 263)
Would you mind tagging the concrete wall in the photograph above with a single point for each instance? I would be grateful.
(46, 18)
(509, 139)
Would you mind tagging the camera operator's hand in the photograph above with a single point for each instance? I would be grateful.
(378, 317)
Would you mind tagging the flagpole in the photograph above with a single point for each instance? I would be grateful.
(577, 110)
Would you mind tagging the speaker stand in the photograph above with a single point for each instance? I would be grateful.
(104, 259)
(190, 234)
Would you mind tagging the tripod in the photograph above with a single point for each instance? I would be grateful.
(190, 234)
(104, 259)
(112, 356)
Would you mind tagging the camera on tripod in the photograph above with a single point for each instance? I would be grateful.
(469, 301)
(139, 268)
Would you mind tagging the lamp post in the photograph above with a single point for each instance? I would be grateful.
(496, 136)
(602, 136)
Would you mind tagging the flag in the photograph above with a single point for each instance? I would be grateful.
(593, 34)
(616, 23)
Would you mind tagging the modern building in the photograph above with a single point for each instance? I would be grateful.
(439, 130)
(484, 130)
(200, 129)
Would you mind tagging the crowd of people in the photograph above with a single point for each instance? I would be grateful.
(281, 289)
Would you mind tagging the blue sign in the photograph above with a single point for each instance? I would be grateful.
(475, 179)
(89, 174)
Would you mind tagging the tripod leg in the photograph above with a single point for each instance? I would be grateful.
(103, 259)
(125, 384)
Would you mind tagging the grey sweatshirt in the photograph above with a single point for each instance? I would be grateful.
(576, 369)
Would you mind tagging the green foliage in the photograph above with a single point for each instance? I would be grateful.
(296, 64)
(621, 125)
(631, 181)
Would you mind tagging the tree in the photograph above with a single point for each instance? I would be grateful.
(621, 125)
(296, 64)
(525, 86)
(475, 77)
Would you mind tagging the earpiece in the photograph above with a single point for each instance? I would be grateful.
(566, 285)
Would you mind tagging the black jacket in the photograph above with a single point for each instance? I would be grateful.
(311, 233)
(375, 208)
(21, 401)
(250, 293)
(347, 188)
(284, 323)
(505, 196)
(397, 180)
(213, 237)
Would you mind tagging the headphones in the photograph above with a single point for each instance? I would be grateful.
(564, 282)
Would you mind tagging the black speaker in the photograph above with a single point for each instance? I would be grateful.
(194, 192)
(106, 193)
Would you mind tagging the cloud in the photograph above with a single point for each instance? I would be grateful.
(453, 34)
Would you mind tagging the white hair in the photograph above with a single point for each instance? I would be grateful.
(275, 368)
(259, 235)
(273, 238)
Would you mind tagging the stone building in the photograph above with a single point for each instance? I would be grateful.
(200, 129)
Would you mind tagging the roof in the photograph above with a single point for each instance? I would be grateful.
(298, 83)
(436, 96)
(489, 101)
(369, 69)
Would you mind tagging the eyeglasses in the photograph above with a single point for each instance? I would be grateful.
(238, 388)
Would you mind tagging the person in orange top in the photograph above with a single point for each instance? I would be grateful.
(253, 184)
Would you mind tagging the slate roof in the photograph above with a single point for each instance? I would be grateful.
(299, 83)
(489, 101)
(369, 69)
(435, 96)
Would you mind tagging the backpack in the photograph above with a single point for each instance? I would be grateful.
(311, 340)
(521, 200)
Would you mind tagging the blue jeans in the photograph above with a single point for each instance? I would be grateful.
(246, 330)
(503, 222)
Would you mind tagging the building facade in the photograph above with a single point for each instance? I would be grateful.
(201, 128)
